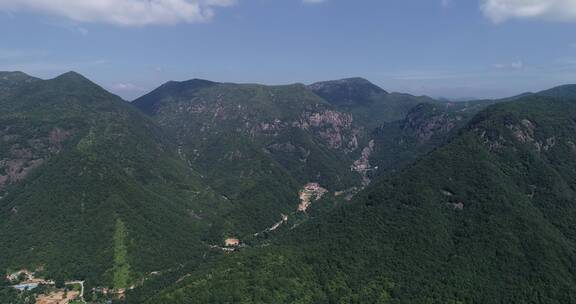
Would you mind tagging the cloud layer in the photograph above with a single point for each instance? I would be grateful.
(122, 12)
(554, 10)
(158, 12)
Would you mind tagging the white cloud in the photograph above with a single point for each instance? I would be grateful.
(502, 10)
(516, 65)
(126, 87)
(121, 12)
(314, 1)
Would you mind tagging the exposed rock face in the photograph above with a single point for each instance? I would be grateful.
(335, 128)
(362, 165)
(311, 192)
(525, 132)
(253, 132)
(24, 156)
(333, 118)
(428, 123)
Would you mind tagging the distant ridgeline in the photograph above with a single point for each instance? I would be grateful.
(337, 192)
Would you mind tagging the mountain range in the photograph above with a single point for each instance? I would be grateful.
(335, 192)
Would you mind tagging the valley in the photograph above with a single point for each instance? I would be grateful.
(287, 152)
(309, 185)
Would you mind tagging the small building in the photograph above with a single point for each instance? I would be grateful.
(27, 286)
(232, 242)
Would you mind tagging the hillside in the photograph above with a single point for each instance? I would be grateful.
(10, 81)
(564, 91)
(486, 218)
(350, 91)
(426, 126)
(367, 102)
(92, 189)
(259, 145)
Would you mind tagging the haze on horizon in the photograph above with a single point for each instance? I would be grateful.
(440, 48)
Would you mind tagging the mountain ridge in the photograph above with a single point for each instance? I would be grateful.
(77, 165)
(396, 189)
(481, 212)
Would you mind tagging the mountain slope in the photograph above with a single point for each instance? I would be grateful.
(350, 91)
(426, 126)
(92, 189)
(367, 102)
(564, 91)
(486, 218)
(9, 81)
(259, 145)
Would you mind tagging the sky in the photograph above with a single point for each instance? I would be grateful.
(440, 48)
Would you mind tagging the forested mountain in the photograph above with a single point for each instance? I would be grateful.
(337, 192)
(425, 127)
(90, 188)
(260, 145)
(367, 102)
(9, 81)
(350, 91)
(485, 218)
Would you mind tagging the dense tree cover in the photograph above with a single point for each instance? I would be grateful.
(486, 218)
(369, 103)
(258, 145)
(12, 296)
(83, 161)
(425, 127)
(102, 162)
(98, 191)
(255, 144)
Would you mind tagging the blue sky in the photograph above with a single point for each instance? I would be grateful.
(457, 48)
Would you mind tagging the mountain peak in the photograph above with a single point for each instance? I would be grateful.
(149, 102)
(12, 80)
(189, 84)
(345, 81)
(15, 76)
(71, 75)
(347, 91)
(75, 83)
(74, 78)
(356, 80)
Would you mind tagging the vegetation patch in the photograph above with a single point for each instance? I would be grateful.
(121, 265)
